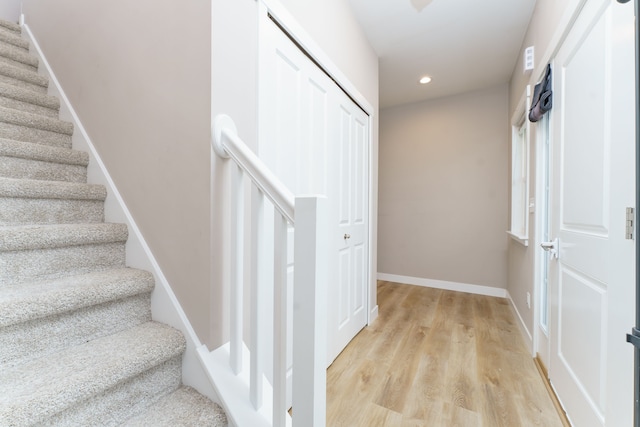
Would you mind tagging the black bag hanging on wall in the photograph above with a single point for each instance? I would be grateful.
(542, 97)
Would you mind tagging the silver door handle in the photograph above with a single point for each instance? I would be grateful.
(551, 247)
(347, 236)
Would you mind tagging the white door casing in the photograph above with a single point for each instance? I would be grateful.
(543, 259)
(591, 287)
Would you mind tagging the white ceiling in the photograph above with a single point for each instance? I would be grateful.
(463, 45)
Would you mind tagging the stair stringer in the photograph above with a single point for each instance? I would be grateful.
(165, 307)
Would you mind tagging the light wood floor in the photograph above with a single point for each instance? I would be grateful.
(437, 358)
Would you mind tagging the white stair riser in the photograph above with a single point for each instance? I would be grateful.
(22, 342)
(15, 167)
(17, 211)
(114, 406)
(22, 266)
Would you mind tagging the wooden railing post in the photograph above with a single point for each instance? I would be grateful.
(309, 312)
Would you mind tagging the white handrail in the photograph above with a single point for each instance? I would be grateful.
(226, 144)
(308, 301)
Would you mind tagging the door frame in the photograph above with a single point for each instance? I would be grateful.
(543, 209)
(565, 24)
(306, 43)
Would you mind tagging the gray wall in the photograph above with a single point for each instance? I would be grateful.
(139, 74)
(443, 189)
(10, 10)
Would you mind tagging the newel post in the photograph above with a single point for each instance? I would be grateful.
(309, 312)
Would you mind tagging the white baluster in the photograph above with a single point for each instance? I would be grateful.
(309, 312)
(257, 316)
(236, 251)
(280, 321)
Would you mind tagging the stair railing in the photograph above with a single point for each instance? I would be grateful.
(308, 215)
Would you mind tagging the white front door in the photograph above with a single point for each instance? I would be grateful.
(591, 286)
(316, 140)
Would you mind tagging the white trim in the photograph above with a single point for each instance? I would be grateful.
(300, 35)
(524, 240)
(526, 334)
(563, 27)
(165, 307)
(443, 284)
(373, 314)
(520, 120)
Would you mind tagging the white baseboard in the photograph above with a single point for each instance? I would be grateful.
(526, 334)
(443, 284)
(165, 307)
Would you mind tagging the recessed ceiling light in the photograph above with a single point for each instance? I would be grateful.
(424, 80)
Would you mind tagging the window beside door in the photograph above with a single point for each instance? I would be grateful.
(519, 229)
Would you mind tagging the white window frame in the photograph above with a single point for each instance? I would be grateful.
(520, 150)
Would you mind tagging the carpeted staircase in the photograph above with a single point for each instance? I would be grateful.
(77, 343)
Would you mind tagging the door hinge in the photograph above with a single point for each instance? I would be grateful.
(629, 224)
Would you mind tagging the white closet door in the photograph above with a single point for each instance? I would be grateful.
(315, 138)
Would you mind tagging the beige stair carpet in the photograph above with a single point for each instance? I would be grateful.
(78, 345)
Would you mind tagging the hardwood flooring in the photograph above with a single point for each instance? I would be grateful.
(437, 358)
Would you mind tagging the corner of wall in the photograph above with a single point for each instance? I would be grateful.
(526, 334)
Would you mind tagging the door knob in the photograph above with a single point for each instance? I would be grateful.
(551, 247)
(347, 236)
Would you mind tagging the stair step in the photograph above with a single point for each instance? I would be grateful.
(106, 380)
(28, 101)
(183, 407)
(14, 39)
(10, 26)
(26, 201)
(44, 317)
(27, 160)
(20, 77)
(18, 57)
(28, 127)
(41, 252)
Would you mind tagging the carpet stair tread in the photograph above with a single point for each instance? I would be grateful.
(39, 299)
(18, 57)
(26, 96)
(35, 121)
(40, 152)
(21, 77)
(10, 26)
(183, 407)
(30, 237)
(48, 385)
(35, 189)
(14, 39)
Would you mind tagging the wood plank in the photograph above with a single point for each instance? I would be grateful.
(438, 358)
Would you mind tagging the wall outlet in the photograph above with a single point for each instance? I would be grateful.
(529, 300)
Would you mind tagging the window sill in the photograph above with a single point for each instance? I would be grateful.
(523, 240)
